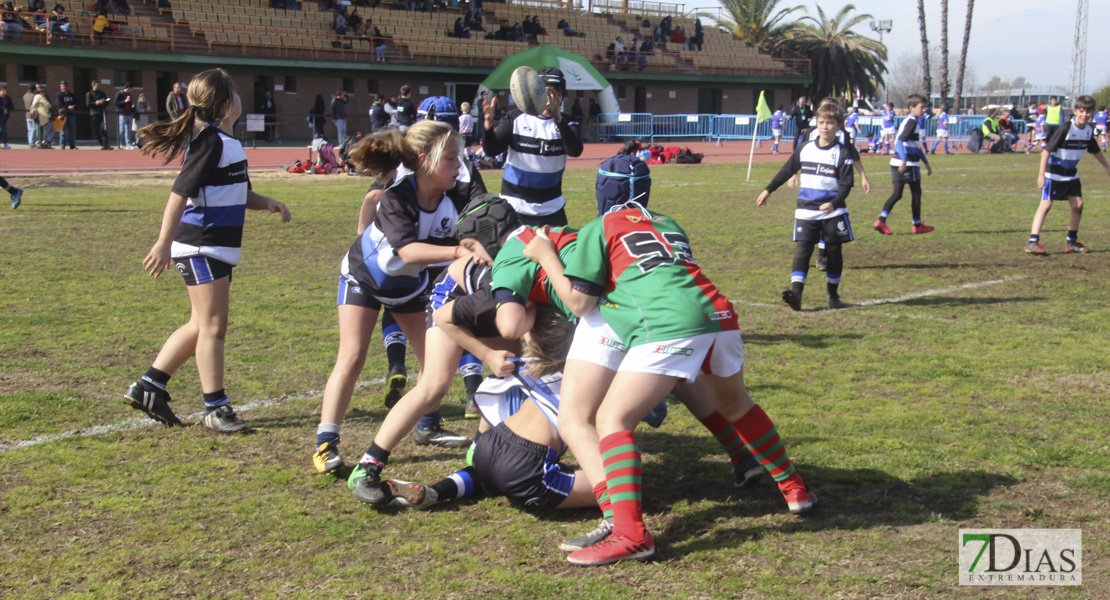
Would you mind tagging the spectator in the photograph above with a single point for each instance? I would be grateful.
(66, 103)
(10, 28)
(567, 29)
(476, 24)
(647, 48)
(517, 34)
(142, 109)
(340, 27)
(613, 52)
(43, 112)
(59, 24)
(406, 112)
(646, 23)
(100, 26)
(480, 124)
(379, 118)
(461, 30)
(125, 106)
(592, 116)
(536, 27)
(466, 123)
(176, 101)
(699, 35)
(576, 110)
(316, 117)
(97, 101)
(355, 23)
(339, 114)
(33, 133)
(390, 107)
(380, 45)
(626, 58)
(1006, 128)
(666, 28)
(527, 27)
(6, 108)
(659, 37)
(268, 109)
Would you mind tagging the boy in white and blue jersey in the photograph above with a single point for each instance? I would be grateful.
(942, 131)
(850, 126)
(825, 165)
(776, 128)
(888, 128)
(1058, 176)
(905, 167)
(1100, 126)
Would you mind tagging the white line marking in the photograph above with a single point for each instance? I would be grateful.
(940, 292)
(139, 422)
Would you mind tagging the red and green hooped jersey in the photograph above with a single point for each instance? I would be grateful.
(652, 289)
(513, 272)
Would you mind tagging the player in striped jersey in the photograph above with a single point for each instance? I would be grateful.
(825, 164)
(202, 228)
(1058, 176)
(904, 168)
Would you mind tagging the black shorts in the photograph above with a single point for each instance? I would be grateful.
(351, 292)
(555, 219)
(1061, 190)
(910, 175)
(201, 269)
(838, 229)
(477, 312)
(525, 472)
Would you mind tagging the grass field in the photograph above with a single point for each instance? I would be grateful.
(966, 388)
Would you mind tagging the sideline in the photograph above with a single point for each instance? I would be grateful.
(140, 422)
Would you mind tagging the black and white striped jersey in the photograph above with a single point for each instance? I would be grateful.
(532, 181)
(1066, 147)
(824, 175)
(214, 179)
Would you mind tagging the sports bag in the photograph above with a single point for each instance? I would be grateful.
(622, 178)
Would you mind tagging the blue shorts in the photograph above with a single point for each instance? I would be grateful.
(198, 270)
(350, 292)
(1061, 190)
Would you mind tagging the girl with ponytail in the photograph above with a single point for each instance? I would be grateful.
(202, 227)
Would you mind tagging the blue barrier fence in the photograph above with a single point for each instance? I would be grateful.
(647, 127)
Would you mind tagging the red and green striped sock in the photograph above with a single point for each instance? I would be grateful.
(623, 475)
(726, 434)
(762, 439)
(601, 492)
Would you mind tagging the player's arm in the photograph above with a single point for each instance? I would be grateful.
(256, 201)
(423, 253)
(497, 359)
(580, 299)
(158, 259)
(369, 208)
(1099, 157)
(789, 168)
(496, 138)
(853, 153)
(512, 314)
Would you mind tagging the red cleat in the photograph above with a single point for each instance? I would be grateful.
(613, 549)
(799, 500)
(1035, 248)
(882, 228)
(922, 228)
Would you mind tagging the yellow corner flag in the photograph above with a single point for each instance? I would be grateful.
(762, 111)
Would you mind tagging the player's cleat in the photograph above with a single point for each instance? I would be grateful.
(882, 228)
(1035, 248)
(411, 495)
(799, 500)
(17, 198)
(585, 541)
(791, 299)
(472, 411)
(326, 458)
(438, 436)
(748, 472)
(822, 261)
(922, 228)
(223, 420)
(154, 403)
(1070, 247)
(366, 482)
(395, 384)
(655, 418)
(614, 548)
(835, 303)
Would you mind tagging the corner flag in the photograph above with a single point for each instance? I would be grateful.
(762, 111)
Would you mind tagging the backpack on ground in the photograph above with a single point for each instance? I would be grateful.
(325, 156)
(622, 178)
(688, 157)
(976, 142)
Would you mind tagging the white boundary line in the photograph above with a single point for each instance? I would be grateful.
(140, 422)
(940, 292)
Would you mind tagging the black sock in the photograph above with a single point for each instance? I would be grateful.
(378, 453)
(216, 399)
(833, 289)
(471, 382)
(153, 378)
(395, 354)
(1034, 237)
(1073, 235)
(445, 489)
(797, 287)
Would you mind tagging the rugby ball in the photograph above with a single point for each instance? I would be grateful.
(528, 90)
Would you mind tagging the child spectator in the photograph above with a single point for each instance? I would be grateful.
(1058, 174)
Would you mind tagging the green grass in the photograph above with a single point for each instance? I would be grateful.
(952, 403)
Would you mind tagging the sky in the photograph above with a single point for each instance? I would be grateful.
(1009, 38)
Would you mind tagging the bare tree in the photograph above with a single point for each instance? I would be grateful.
(963, 54)
(928, 79)
(944, 85)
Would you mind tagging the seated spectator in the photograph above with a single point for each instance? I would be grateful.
(567, 29)
(476, 24)
(59, 24)
(517, 34)
(647, 48)
(355, 23)
(665, 28)
(536, 27)
(461, 30)
(646, 24)
(380, 44)
(679, 36)
(629, 56)
(527, 27)
(100, 26)
(1006, 128)
(10, 27)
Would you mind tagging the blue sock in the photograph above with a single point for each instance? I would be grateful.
(430, 420)
(327, 432)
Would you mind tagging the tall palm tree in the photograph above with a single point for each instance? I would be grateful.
(963, 55)
(928, 79)
(759, 22)
(944, 84)
(842, 61)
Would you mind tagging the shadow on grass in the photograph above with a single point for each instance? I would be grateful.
(936, 301)
(927, 266)
(803, 339)
(992, 232)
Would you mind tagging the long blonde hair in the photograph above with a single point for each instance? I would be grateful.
(380, 154)
(210, 94)
(548, 342)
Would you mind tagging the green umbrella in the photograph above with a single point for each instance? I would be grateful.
(578, 71)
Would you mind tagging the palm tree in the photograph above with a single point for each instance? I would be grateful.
(757, 21)
(842, 61)
(944, 85)
(963, 55)
(928, 80)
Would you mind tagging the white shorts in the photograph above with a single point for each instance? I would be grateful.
(1039, 135)
(595, 342)
(776, 132)
(942, 133)
(720, 353)
(888, 131)
(1100, 130)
